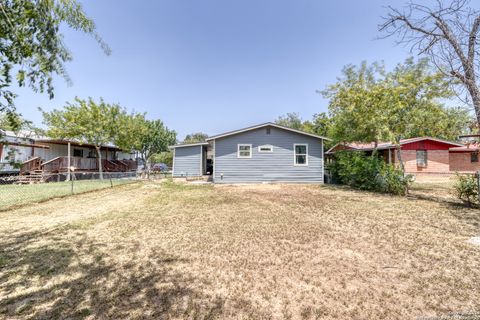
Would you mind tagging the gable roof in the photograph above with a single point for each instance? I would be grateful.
(267, 124)
(388, 145)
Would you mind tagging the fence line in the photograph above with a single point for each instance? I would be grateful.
(17, 190)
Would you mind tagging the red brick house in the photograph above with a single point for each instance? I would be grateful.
(465, 158)
(419, 155)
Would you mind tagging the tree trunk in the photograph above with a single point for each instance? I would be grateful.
(399, 157)
(99, 158)
(476, 103)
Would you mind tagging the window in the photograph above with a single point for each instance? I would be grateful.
(268, 130)
(474, 157)
(78, 153)
(265, 148)
(422, 158)
(244, 151)
(301, 154)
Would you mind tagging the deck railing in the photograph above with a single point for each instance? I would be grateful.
(31, 165)
(60, 164)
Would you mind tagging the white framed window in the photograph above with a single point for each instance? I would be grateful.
(265, 148)
(300, 151)
(244, 151)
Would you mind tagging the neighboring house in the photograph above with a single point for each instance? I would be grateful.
(419, 155)
(465, 158)
(263, 153)
(16, 148)
(24, 152)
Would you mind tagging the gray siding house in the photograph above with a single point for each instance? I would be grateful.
(259, 154)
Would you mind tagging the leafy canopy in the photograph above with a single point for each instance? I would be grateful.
(148, 137)
(291, 120)
(369, 104)
(87, 121)
(195, 137)
(31, 46)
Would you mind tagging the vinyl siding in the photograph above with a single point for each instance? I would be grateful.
(187, 161)
(276, 166)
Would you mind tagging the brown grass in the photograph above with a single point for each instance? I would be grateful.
(173, 251)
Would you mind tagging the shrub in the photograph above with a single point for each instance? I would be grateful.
(368, 173)
(466, 189)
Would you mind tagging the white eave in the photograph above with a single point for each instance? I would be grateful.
(188, 145)
(268, 124)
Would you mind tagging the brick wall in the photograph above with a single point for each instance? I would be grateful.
(437, 161)
(460, 161)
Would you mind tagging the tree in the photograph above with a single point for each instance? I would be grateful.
(86, 121)
(447, 34)
(369, 104)
(148, 137)
(164, 157)
(320, 125)
(32, 47)
(195, 137)
(356, 106)
(290, 120)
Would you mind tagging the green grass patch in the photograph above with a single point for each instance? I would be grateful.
(17, 194)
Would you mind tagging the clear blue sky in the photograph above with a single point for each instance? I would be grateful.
(218, 65)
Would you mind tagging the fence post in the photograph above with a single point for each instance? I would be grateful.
(71, 183)
(111, 182)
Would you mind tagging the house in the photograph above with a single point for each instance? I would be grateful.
(465, 158)
(266, 152)
(419, 155)
(25, 152)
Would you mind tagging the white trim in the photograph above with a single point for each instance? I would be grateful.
(188, 145)
(214, 163)
(301, 154)
(323, 163)
(268, 124)
(265, 146)
(244, 145)
(173, 163)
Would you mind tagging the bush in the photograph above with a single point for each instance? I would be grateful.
(368, 173)
(466, 189)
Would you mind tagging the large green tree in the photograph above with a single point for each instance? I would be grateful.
(88, 121)
(148, 137)
(32, 49)
(369, 104)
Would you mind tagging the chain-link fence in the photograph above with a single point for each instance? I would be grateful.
(17, 190)
(448, 186)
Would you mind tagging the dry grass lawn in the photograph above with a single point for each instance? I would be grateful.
(170, 251)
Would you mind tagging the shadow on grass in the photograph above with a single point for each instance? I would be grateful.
(461, 211)
(49, 275)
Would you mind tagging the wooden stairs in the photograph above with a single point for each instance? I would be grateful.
(35, 176)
